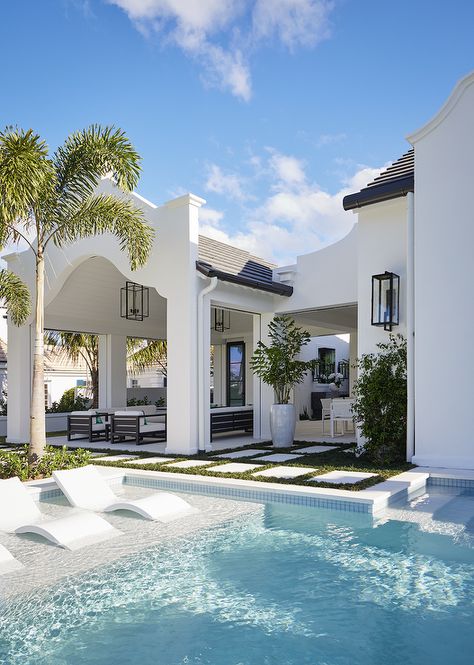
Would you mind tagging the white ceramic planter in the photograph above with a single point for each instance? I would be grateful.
(282, 424)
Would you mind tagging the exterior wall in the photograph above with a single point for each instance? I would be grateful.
(381, 246)
(444, 238)
(58, 384)
(325, 278)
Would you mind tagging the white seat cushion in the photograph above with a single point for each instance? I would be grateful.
(154, 427)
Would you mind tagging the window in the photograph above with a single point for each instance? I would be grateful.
(326, 364)
(134, 383)
(80, 383)
(235, 374)
(47, 399)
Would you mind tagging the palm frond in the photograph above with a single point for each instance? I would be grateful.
(143, 354)
(26, 175)
(103, 213)
(16, 297)
(94, 152)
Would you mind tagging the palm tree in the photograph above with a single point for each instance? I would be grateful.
(54, 198)
(14, 293)
(75, 346)
(141, 354)
(144, 353)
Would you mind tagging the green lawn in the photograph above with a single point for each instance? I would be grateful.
(322, 463)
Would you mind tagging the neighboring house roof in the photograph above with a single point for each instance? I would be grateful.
(56, 362)
(59, 363)
(397, 180)
(237, 266)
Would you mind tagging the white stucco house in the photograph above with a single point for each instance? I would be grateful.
(413, 221)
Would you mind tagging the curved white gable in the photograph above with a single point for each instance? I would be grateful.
(459, 89)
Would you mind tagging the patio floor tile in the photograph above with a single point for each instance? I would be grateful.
(242, 453)
(234, 467)
(115, 458)
(153, 460)
(286, 471)
(315, 449)
(189, 463)
(343, 477)
(279, 457)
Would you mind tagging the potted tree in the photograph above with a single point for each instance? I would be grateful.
(278, 366)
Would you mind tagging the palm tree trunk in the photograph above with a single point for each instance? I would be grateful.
(37, 414)
(95, 387)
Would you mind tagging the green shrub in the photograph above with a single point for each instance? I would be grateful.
(16, 463)
(69, 402)
(381, 401)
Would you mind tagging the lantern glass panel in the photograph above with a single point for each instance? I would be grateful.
(385, 300)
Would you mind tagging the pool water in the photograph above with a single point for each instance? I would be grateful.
(280, 585)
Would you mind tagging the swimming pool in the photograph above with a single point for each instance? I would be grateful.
(274, 585)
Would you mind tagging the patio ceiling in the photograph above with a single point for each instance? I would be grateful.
(326, 321)
(90, 302)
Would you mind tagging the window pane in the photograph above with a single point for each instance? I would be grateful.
(236, 371)
(236, 353)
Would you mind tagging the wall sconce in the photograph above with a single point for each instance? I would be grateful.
(385, 300)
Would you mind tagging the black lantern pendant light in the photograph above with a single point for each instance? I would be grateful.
(385, 300)
(134, 302)
(221, 320)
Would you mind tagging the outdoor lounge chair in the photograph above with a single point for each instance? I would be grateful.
(8, 563)
(87, 425)
(136, 426)
(86, 488)
(20, 514)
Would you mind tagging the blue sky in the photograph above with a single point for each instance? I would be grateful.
(269, 109)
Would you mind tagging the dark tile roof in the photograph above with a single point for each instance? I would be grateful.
(393, 182)
(238, 266)
(401, 168)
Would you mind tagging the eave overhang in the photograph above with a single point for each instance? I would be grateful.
(269, 287)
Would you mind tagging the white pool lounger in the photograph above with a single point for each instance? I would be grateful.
(19, 513)
(86, 488)
(8, 563)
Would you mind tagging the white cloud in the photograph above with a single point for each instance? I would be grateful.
(289, 170)
(328, 139)
(228, 184)
(210, 217)
(298, 217)
(197, 27)
(294, 22)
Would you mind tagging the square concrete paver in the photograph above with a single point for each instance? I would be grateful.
(315, 449)
(286, 471)
(242, 453)
(234, 467)
(279, 457)
(153, 460)
(343, 477)
(115, 458)
(189, 463)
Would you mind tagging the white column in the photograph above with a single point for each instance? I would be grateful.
(267, 396)
(218, 369)
(112, 371)
(352, 361)
(257, 384)
(19, 384)
(181, 234)
(206, 378)
(182, 386)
